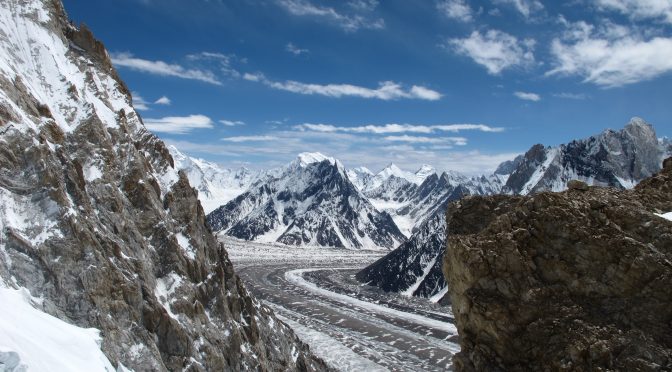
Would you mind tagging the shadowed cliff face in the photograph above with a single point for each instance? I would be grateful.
(95, 221)
(577, 280)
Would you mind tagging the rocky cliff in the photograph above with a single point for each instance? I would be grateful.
(96, 223)
(577, 280)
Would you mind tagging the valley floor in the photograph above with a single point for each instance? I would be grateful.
(353, 327)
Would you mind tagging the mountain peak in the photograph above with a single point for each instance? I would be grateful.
(637, 121)
(392, 170)
(306, 158)
(363, 170)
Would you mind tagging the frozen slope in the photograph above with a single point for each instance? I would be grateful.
(36, 341)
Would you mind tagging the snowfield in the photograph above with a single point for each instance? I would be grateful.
(31, 340)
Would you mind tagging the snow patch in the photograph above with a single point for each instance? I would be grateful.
(36, 341)
(667, 216)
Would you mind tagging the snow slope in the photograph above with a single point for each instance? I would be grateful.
(35, 341)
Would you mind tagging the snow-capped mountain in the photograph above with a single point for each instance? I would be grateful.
(106, 261)
(216, 185)
(312, 203)
(619, 159)
(612, 158)
(361, 177)
(413, 269)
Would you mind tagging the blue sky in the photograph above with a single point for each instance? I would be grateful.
(458, 84)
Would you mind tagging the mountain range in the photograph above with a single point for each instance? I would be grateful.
(618, 159)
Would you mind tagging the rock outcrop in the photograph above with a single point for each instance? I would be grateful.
(96, 223)
(578, 280)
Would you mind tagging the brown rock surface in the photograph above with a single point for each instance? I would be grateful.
(577, 281)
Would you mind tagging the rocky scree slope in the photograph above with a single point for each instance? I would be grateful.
(95, 222)
(578, 280)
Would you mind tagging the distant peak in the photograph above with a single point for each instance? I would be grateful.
(306, 158)
(364, 170)
(637, 122)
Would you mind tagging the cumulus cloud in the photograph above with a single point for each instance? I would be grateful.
(249, 139)
(162, 68)
(163, 101)
(455, 9)
(610, 55)
(524, 7)
(495, 50)
(387, 90)
(640, 9)
(528, 96)
(348, 22)
(178, 124)
(397, 128)
(231, 123)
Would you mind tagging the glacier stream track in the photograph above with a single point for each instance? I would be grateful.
(352, 326)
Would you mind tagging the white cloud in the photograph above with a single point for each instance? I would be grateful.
(231, 123)
(640, 9)
(610, 55)
(397, 128)
(163, 101)
(495, 50)
(349, 22)
(387, 90)
(455, 9)
(528, 96)
(363, 5)
(566, 95)
(460, 141)
(178, 124)
(524, 7)
(139, 103)
(296, 50)
(163, 69)
(250, 139)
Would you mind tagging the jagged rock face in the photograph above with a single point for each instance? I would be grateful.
(509, 166)
(613, 158)
(577, 280)
(310, 204)
(96, 222)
